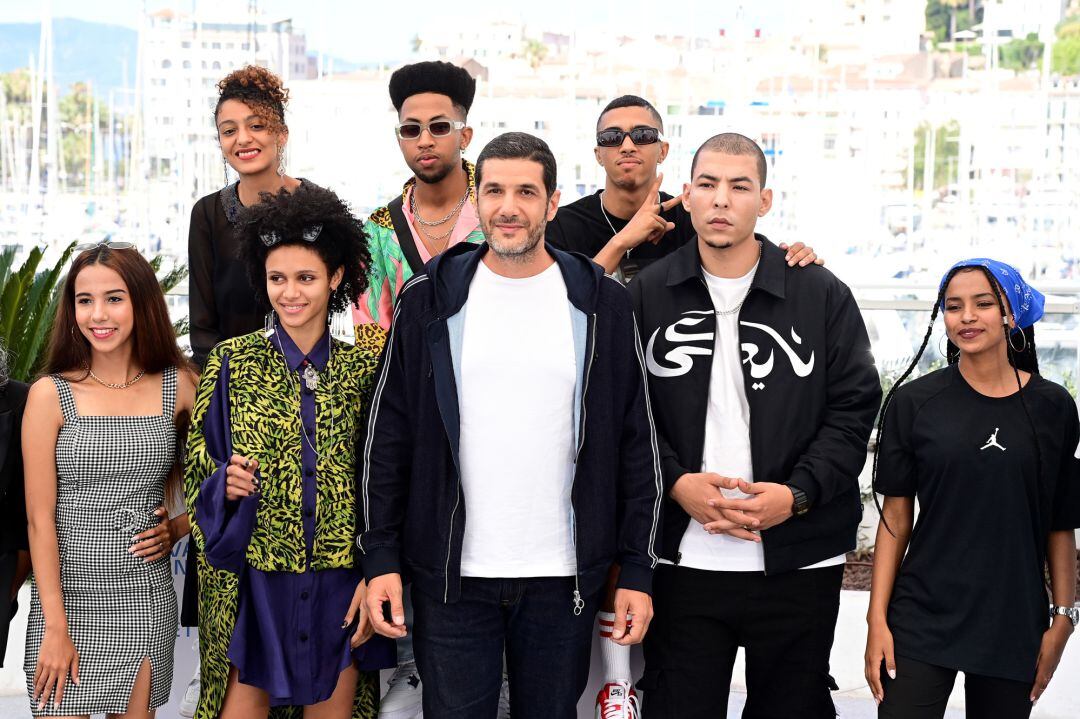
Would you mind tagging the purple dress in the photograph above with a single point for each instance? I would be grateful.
(289, 639)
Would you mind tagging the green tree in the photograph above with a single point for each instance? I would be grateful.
(944, 18)
(946, 153)
(1021, 53)
(535, 52)
(1065, 58)
(77, 131)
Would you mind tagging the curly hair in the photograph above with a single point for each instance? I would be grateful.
(341, 242)
(259, 89)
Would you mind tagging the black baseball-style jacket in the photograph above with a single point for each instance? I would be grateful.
(810, 384)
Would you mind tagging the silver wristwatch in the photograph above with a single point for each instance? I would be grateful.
(1073, 613)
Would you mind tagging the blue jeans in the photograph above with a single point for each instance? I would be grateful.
(459, 648)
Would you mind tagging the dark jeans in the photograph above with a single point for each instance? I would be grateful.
(921, 691)
(785, 622)
(459, 648)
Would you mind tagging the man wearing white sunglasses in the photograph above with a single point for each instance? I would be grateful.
(437, 206)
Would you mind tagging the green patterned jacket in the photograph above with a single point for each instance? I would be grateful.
(266, 426)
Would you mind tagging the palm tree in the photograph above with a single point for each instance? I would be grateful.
(535, 52)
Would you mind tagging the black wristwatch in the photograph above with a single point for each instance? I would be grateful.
(801, 505)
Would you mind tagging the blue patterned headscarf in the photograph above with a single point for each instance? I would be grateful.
(1025, 301)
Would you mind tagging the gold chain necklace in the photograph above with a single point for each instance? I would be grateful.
(112, 385)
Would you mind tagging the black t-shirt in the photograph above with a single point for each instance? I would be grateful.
(582, 227)
(970, 593)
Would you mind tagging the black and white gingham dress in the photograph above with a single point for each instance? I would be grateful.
(111, 474)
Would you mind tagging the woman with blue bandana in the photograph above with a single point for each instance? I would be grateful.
(987, 446)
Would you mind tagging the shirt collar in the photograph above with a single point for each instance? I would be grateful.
(319, 355)
(686, 265)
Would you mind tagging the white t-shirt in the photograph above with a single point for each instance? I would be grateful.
(727, 438)
(518, 374)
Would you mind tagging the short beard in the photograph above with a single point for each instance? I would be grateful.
(523, 252)
(435, 175)
(723, 245)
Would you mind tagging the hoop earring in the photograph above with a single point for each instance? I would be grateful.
(1022, 347)
(943, 352)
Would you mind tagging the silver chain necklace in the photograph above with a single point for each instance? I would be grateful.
(603, 211)
(435, 223)
(112, 385)
(736, 308)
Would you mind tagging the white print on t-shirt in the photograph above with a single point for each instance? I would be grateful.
(682, 354)
(992, 442)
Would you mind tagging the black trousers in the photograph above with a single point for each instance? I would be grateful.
(785, 622)
(921, 691)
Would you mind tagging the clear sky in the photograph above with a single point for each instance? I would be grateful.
(383, 31)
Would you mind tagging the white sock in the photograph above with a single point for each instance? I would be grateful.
(616, 657)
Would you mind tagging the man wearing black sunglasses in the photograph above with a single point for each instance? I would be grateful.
(631, 222)
(437, 206)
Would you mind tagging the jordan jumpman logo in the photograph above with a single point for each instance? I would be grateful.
(992, 442)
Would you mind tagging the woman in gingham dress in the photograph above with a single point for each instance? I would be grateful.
(100, 448)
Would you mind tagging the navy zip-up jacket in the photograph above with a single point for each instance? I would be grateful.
(810, 384)
(413, 510)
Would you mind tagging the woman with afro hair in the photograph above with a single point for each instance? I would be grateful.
(269, 477)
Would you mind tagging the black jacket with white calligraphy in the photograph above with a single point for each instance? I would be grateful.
(811, 387)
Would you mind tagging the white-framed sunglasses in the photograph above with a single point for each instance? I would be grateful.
(437, 128)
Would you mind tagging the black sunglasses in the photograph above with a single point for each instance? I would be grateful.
(613, 137)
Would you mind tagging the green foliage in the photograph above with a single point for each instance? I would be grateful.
(946, 153)
(1021, 54)
(534, 52)
(1066, 56)
(28, 300)
(946, 17)
(27, 308)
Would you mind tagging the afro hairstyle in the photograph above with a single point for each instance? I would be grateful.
(439, 77)
(340, 243)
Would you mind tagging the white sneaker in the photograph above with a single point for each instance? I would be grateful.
(402, 699)
(617, 700)
(191, 696)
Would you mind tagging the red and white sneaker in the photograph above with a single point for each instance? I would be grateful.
(617, 700)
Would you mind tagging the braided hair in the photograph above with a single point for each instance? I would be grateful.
(1024, 359)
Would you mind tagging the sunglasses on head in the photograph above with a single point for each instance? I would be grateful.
(110, 244)
(613, 137)
(437, 128)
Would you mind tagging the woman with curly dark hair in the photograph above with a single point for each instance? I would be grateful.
(252, 134)
(269, 479)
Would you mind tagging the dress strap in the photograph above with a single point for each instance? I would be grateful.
(67, 400)
(168, 392)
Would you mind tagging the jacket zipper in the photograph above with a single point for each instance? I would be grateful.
(579, 603)
(708, 388)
